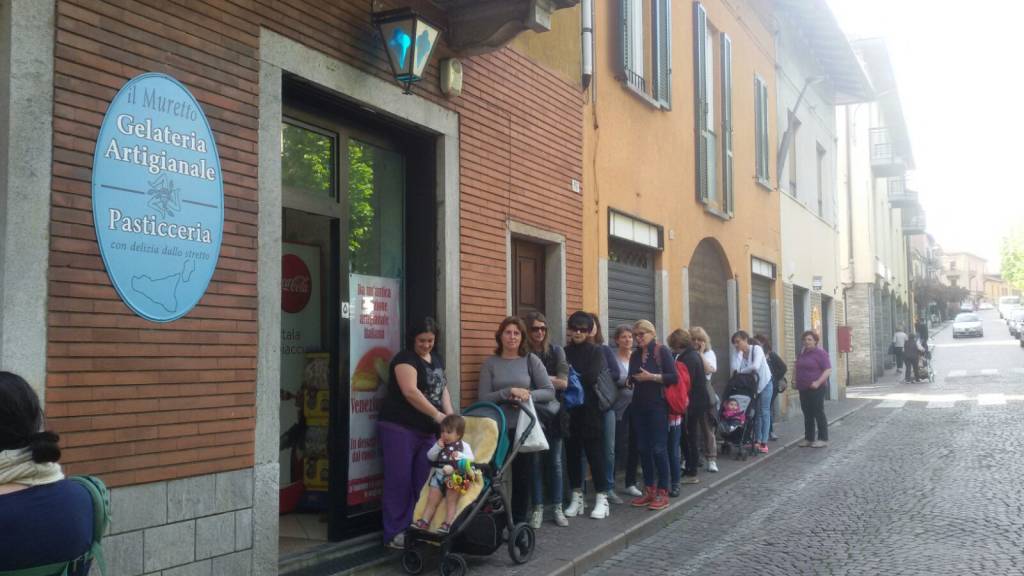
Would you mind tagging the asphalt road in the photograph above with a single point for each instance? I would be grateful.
(925, 481)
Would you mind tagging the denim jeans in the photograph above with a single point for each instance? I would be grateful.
(547, 467)
(763, 425)
(674, 435)
(650, 420)
(628, 455)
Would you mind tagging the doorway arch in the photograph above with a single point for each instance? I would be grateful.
(709, 274)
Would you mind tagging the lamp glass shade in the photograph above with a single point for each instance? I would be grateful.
(409, 40)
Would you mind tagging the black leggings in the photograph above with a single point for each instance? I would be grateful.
(594, 447)
(522, 469)
(812, 402)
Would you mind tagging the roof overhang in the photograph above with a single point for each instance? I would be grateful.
(822, 33)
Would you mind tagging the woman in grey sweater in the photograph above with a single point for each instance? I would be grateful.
(513, 374)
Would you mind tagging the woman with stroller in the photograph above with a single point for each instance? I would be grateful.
(912, 352)
(514, 375)
(751, 359)
(547, 465)
(811, 372)
(651, 369)
(417, 401)
(586, 422)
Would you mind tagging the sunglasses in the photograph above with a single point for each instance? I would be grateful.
(538, 329)
(578, 330)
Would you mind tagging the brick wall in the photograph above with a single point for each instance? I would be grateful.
(521, 144)
(859, 314)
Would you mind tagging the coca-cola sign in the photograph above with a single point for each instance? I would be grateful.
(296, 285)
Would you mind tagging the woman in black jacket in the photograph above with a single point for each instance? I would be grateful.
(778, 367)
(586, 422)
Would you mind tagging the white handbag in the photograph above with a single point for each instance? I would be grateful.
(535, 442)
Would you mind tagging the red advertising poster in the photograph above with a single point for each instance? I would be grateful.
(375, 337)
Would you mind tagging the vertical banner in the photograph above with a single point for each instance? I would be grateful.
(300, 333)
(374, 339)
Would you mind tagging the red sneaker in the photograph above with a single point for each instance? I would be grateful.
(644, 500)
(660, 501)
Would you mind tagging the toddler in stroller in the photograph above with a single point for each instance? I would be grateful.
(737, 415)
(453, 472)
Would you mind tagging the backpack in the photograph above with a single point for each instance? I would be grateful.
(573, 397)
(678, 395)
(100, 518)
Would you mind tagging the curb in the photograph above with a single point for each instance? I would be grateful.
(647, 528)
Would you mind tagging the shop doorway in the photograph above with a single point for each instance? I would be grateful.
(356, 234)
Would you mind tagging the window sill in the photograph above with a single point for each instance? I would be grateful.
(763, 183)
(717, 213)
(639, 93)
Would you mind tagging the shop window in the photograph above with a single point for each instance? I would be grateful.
(376, 185)
(307, 161)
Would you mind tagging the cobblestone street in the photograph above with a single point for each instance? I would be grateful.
(924, 481)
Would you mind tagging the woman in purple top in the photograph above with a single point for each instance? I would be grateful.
(811, 373)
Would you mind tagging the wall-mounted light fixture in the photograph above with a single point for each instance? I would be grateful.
(408, 39)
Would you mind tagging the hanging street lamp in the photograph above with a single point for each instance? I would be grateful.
(408, 39)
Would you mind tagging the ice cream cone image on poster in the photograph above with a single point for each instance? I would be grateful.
(372, 369)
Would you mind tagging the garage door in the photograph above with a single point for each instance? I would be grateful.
(630, 284)
(761, 306)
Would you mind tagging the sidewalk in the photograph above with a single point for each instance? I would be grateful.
(586, 543)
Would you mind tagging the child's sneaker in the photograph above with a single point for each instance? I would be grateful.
(444, 528)
(421, 524)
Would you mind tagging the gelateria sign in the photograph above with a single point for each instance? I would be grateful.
(157, 197)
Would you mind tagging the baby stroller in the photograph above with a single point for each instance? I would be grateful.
(735, 434)
(484, 518)
(925, 361)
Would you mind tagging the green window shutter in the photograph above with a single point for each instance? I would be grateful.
(700, 79)
(765, 147)
(663, 52)
(757, 129)
(626, 36)
(761, 128)
(727, 196)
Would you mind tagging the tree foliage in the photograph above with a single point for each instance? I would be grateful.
(361, 203)
(946, 298)
(1012, 253)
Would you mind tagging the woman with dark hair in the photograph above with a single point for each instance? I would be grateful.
(514, 375)
(778, 367)
(417, 401)
(586, 422)
(751, 359)
(696, 410)
(811, 372)
(33, 491)
(547, 465)
(651, 369)
(597, 338)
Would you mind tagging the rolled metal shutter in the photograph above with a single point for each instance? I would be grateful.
(630, 285)
(761, 306)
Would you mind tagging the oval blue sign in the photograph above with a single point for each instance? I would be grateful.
(157, 197)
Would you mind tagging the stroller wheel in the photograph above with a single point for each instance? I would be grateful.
(453, 565)
(412, 562)
(521, 543)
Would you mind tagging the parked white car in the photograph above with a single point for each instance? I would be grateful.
(967, 324)
(1006, 303)
(1015, 322)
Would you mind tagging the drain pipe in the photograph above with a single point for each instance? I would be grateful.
(587, 40)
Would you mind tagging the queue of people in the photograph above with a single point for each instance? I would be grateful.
(636, 430)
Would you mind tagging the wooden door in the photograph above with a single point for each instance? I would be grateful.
(528, 279)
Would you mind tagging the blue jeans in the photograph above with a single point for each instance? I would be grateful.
(650, 420)
(547, 466)
(763, 425)
(675, 434)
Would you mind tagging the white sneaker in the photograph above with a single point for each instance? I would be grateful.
(634, 492)
(536, 517)
(712, 466)
(576, 506)
(601, 509)
(560, 519)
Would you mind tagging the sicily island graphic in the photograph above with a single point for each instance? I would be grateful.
(158, 197)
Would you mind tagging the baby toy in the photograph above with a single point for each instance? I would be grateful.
(461, 476)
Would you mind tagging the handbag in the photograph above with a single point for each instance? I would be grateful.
(546, 411)
(605, 390)
(535, 440)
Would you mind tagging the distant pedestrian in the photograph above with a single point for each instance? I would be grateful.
(899, 340)
(778, 367)
(922, 333)
(912, 352)
(45, 520)
(811, 373)
(751, 359)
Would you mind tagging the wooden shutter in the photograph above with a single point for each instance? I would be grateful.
(758, 144)
(700, 79)
(626, 36)
(762, 135)
(663, 52)
(727, 197)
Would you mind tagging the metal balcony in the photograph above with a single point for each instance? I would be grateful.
(914, 222)
(899, 195)
(885, 158)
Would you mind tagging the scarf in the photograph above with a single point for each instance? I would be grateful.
(17, 467)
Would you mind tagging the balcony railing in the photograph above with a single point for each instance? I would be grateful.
(914, 222)
(899, 195)
(885, 158)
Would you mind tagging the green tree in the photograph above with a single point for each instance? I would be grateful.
(1012, 253)
(361, 204)
(307, 160)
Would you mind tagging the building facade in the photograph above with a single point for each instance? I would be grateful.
(965, 270)
(678, 169)
(816, 72)
(877, 213)
(349, 209)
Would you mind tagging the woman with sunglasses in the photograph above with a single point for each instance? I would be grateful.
(651, 369)
(586, 422)
(547, 465)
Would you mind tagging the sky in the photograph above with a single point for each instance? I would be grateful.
(959, 80)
